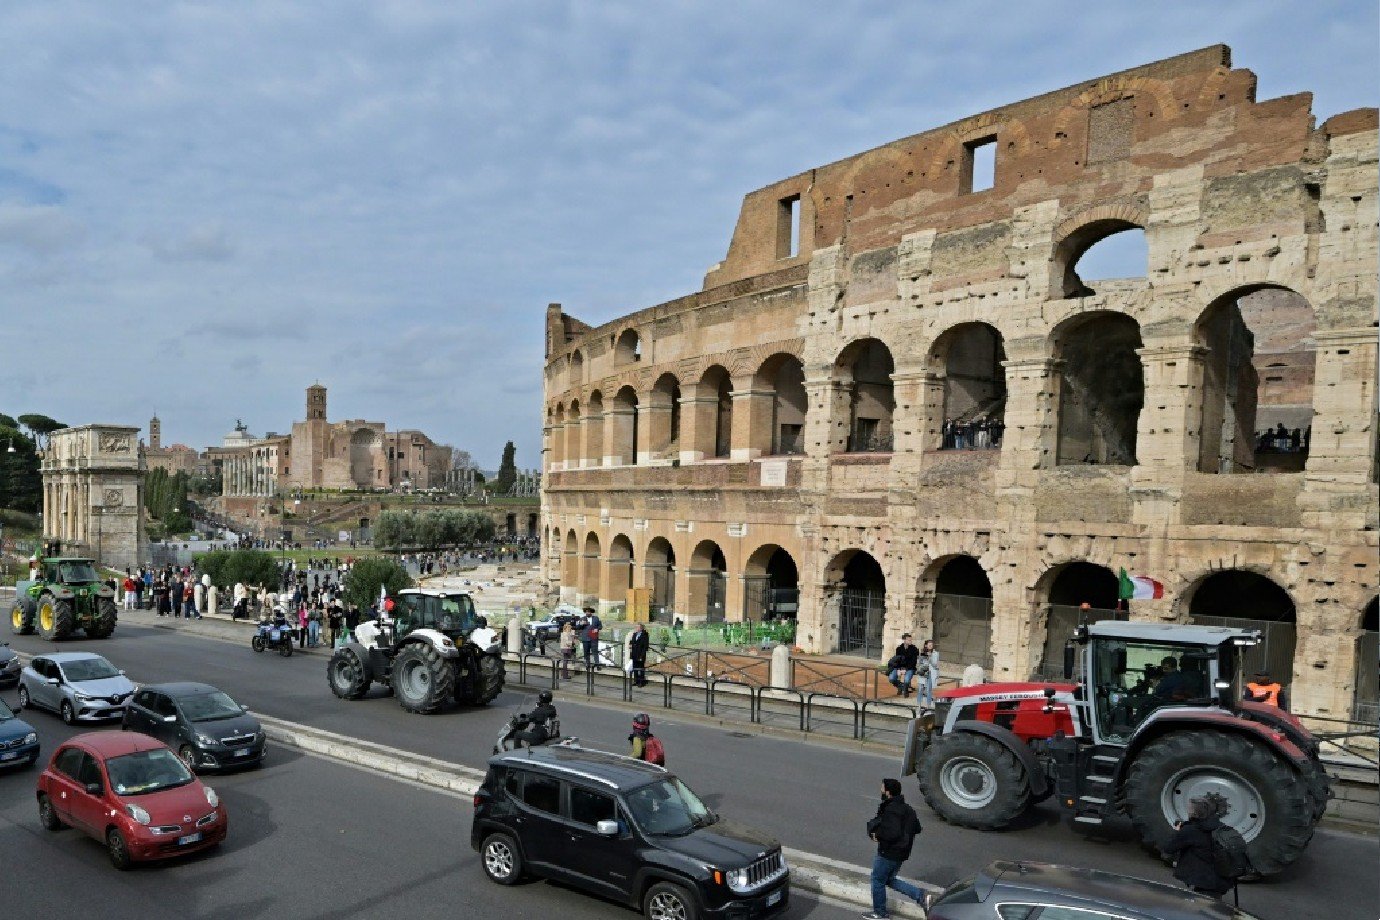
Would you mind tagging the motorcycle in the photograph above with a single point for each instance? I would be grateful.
(275, 635)
(508, 740)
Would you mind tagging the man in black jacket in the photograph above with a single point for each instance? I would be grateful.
(1191, 847)
(637, 651)
(901, 667)
(895, 828)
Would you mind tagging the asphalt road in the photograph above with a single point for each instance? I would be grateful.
(309, 838)
(812, 796)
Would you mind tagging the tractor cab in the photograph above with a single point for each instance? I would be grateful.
(1131, 671)
(450, 613)
(70, 572)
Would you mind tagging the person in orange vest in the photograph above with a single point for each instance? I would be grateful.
(1262, 689)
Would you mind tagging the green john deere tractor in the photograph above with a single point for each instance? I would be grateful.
(67, 596)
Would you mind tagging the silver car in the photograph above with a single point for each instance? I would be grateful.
(79, 686)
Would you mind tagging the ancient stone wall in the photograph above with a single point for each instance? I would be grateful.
(1116, 429)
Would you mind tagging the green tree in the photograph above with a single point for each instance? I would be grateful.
(21, 484)
(250, 566)
(507, 470)
(8, 421)
(369, 574)
(40, 426)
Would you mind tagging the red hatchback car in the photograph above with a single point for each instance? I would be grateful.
(131, 793)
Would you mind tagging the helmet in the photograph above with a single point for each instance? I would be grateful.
(641, 720)
(544, 698)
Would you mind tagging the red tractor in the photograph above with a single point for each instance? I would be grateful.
(1156, 718)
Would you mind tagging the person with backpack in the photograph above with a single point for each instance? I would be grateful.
(894, 827)
(645, 745)
(1209, 856)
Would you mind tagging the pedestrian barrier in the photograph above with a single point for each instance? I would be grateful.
(832, 726)
(889, 722)
(694, 683)
(771, 705)
(748, 693)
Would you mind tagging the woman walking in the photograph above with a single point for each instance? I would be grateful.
(927, 673)
(568, 643)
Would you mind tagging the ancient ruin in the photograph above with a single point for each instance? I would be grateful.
(901, 402)
(93, 493)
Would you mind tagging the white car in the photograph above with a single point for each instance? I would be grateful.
(78, 686)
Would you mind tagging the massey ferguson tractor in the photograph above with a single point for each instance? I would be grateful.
(1155, 719)
(422, 652)
(66, 596)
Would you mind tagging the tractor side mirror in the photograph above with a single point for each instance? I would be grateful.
(1068, 660)
(1224, 694)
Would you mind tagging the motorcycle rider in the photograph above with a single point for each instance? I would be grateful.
(536, 727)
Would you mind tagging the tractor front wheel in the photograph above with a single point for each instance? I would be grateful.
(422, 680)
(55, 618)
(973, 781)
(21, 619)
(1269, 804)
(106, 615)
(345, 674)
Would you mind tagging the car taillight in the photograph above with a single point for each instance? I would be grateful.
(479, 797)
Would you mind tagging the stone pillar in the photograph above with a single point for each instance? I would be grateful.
(931, 388)
(574, 442)
(1168, 432)
(654, 431)
(592, 439)
(780, 672)
(754, 411)
(1032, 413)
(698, 418)
(620, 426)
(1341, 451)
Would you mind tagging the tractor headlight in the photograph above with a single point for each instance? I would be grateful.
(138, 814)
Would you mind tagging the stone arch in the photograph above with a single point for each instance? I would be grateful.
(708, 582)
(1258, 373)
(574, 434)
(1081, 232)
(1101, 388)
(557, 441)
(570, 566)
(779, 384)
(715, 437)
(622, 440)
(659, 567)
(620, 568)
(1219, 599)
(1061, 593)
(589, 568)
(592, 438)
(959, 592)
(627, 348)
(1365, 706)
(968, 360)
(861, 599)
(771, 584)
(663, 413)
(865, 367)
(575, 375)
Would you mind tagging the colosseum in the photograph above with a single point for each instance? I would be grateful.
(896, 405)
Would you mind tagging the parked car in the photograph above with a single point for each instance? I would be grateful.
(10, 666)
(79, 686)
(1011, 890)
(130, 792)
(18, 740)
(540, 632)
(207, 729)
(624, 829)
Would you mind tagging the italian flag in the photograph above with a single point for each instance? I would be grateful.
(1138, 588)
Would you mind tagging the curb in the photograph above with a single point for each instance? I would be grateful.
(817, 874)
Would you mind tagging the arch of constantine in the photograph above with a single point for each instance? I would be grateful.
(902, 402)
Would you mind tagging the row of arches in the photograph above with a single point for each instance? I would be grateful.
(1254, 409)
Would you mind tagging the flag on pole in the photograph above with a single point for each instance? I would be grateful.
(1138, 588)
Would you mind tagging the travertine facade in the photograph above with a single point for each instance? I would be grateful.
(93, 493)
(788, 427)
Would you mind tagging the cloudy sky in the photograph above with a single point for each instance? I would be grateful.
(205, 207)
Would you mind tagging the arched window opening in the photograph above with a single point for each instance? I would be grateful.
(780, 381)
(663, 419)
(708, 582)
(868, 366)
(1101, 390)
(1257, 410)
(622, 428)
(1075, 592)
(716, 405)
(862, 604)
(962, 617)
(771, 585)
(570, 567)
(627, 348)
(593, 431)
(574, 434)
(1103, 250)
(620, 579)
(589, 569)
(660, 569)
(558, 436)
(1221, 598)
(1366, 703)
(576, 375)
(970, 359)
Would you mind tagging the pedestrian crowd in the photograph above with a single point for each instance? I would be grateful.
(982, 433)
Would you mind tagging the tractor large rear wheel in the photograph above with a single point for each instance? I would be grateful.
(488, 683)
(973, 781)
(55, 618)
(345, 674)
(1271, 805)
(22, 618)
(422, 680)
(104, 623)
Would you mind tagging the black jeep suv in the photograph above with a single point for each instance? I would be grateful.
(624, 829)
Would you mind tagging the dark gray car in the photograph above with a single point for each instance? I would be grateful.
(206, 728)
(9, 666)
(1040, 891)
